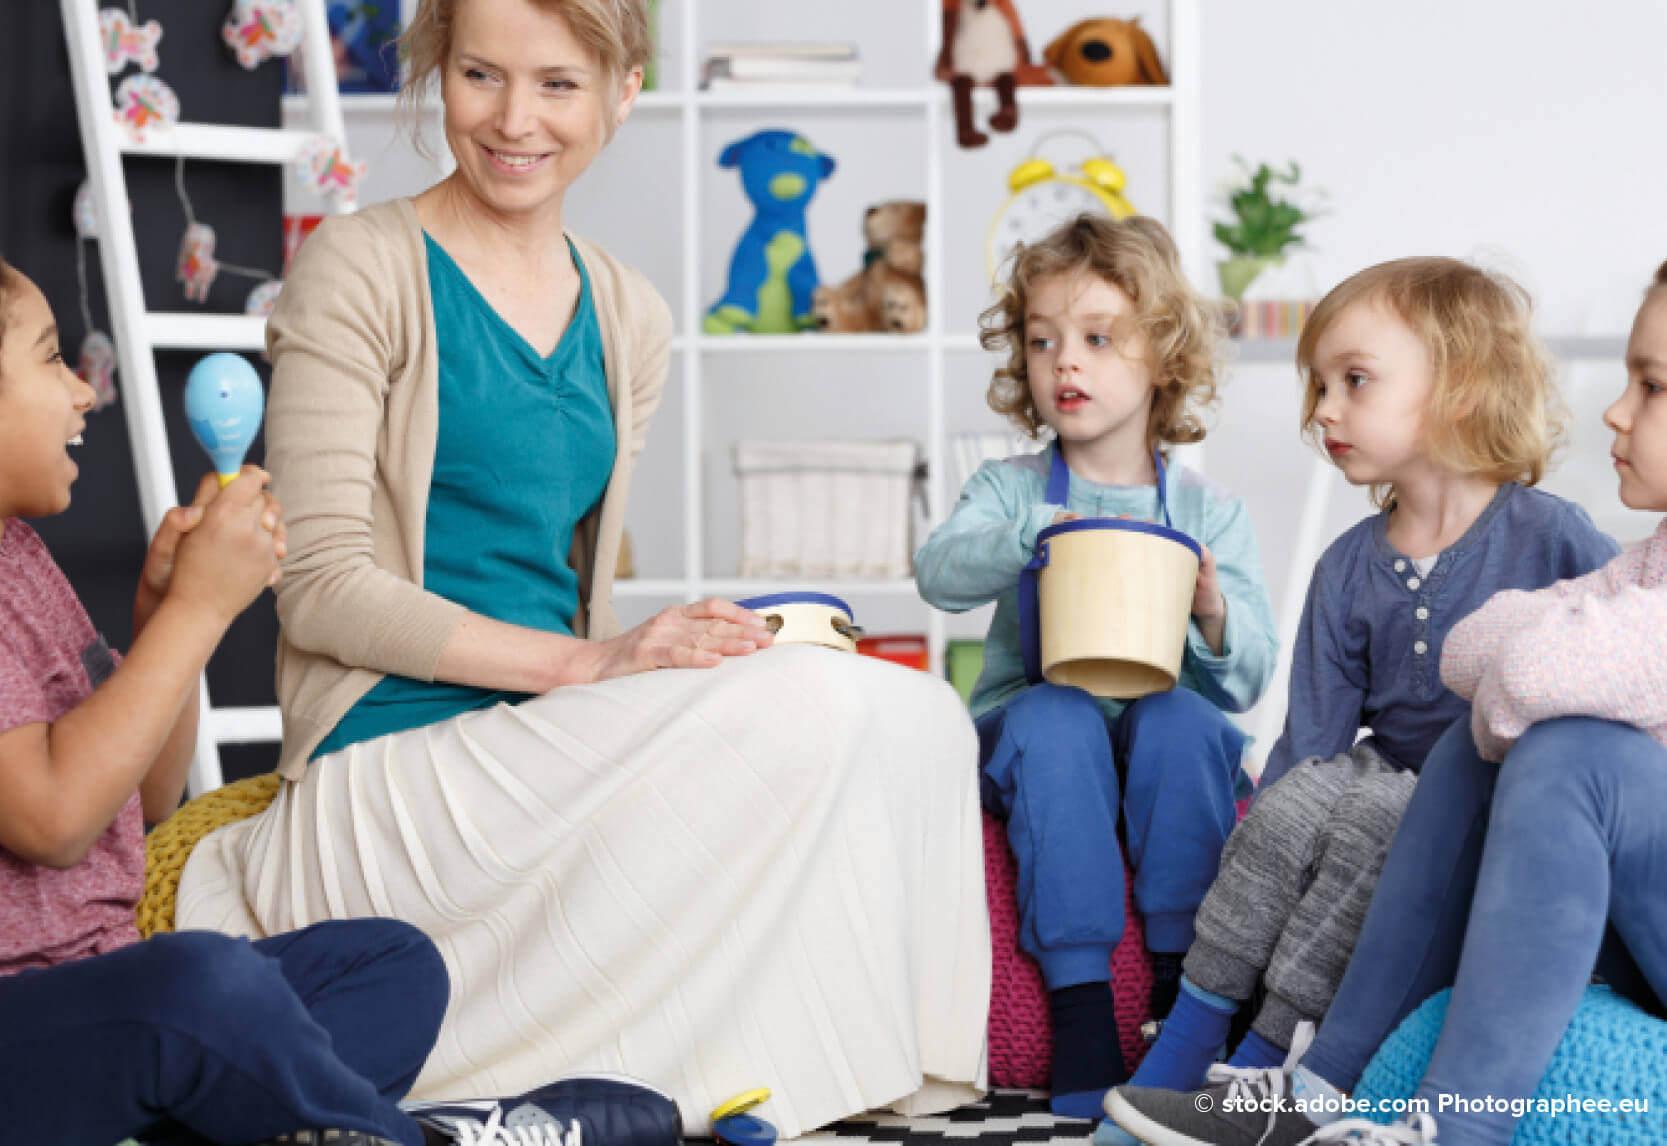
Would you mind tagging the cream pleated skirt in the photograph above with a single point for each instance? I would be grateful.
(765, 874)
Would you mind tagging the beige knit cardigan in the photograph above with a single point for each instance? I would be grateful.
(350, 433)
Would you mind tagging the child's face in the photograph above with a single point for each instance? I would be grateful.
(1374, 377)
(43, 405)
(1639, 416)
(1083, 385)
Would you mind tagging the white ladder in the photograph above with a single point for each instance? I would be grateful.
(138, 332)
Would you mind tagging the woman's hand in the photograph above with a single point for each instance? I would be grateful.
(700, 635)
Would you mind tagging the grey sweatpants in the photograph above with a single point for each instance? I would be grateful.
(1296, 876)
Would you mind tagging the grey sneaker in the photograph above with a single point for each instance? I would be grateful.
(1418, 1130)
(1242, 1107)
(1174, 1118)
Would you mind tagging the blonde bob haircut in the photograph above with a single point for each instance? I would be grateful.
(1494, 411)
(616, 32)
(1180, 329)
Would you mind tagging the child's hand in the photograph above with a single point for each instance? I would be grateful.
(1207, 601)
(232, 552)
(158, 571)
(1065, 515)
(1209, 607)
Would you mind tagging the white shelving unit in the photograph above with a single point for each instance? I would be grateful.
(701, 362)
(702, 357)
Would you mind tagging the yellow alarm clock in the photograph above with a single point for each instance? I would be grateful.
(1044, 196)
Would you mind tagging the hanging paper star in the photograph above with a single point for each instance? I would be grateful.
(97, 367)
(332, 173)
(143, 102)
(85, 213)
(263, 298)
(257, 30)
(197, 266)
(124, 40)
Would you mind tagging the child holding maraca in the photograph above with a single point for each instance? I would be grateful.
(186, 1036)
(1110, 349)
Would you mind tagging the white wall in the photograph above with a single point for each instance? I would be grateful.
(1527, 134)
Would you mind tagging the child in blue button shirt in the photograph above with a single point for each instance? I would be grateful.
(1424, 382)
(1110, 349)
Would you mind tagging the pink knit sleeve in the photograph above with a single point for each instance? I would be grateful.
(1587, 656)
(1473, 645)
(1597, 646)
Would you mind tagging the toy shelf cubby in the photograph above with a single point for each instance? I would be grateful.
(656, 198)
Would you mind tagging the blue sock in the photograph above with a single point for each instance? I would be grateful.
(1108, 1133)
(1087, 1058)
(1192, 1036)
(1254, 1050)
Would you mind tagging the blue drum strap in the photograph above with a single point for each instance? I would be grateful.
(1030, 624)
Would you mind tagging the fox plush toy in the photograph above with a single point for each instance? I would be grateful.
(984, 45)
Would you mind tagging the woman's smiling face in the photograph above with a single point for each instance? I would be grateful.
(527, 105)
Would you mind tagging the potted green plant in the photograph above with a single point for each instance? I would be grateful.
(1264, 225)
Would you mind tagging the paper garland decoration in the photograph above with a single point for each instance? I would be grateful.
(85, 212)
(126, 40)
(259, 30)
(331, 172)
(263, 298)
(197, 268)
(97, 367)
(143, 102)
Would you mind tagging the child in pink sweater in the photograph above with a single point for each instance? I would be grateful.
(1533, 853)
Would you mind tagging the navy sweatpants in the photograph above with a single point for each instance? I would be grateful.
(1061, 778)
(195, 1035)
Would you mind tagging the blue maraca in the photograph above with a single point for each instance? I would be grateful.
(223, 404)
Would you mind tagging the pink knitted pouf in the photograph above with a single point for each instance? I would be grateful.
(1021, 1032)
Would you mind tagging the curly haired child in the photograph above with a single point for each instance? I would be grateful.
(1425, 382)
(1113, 354)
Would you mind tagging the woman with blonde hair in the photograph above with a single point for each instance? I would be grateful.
(670, 851)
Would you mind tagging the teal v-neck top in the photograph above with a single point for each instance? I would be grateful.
(523, 454)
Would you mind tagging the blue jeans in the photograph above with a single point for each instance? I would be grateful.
(1062, 778)
(1510, 883)
(195, 1035)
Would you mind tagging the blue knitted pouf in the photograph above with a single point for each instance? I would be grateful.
(1611, 1050)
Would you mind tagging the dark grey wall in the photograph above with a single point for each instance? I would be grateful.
(100, 542)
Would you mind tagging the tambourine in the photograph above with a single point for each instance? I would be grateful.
(803, 618)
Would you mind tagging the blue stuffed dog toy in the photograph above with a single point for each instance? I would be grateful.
(771, 274)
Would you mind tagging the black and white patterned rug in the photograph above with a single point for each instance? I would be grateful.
(1004, 1118)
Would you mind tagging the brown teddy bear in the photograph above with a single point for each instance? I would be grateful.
(888, 294)
(1105, 53)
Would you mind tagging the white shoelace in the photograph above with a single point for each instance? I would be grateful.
(495, 1133)
(1252, 1086)
(1418, 1130)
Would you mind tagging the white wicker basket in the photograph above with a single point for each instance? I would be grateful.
(826, 509)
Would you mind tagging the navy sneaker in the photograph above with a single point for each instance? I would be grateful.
(581, 1110)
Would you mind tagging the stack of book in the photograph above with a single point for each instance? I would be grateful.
(775, 67)
(1268, 318)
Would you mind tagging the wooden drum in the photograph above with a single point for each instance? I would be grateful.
(1115, 600)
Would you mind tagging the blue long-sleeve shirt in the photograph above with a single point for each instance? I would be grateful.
(1368, 652)
(977, 555)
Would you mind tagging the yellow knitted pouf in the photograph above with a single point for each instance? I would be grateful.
(169, 844)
